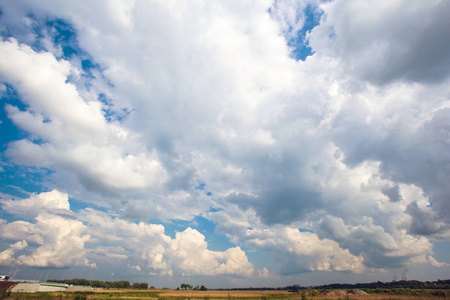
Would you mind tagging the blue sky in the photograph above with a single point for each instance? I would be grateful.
(224, 143)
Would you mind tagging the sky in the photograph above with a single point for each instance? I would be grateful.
(225, 143)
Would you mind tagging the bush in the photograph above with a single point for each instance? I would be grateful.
(140, 285)
(80, 296)
(4, 295)
(304, 296)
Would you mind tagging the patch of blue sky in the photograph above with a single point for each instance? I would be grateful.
(201, 187)
(65, 36)
(305, 230)
(77, 205)
(9, 132)
(216, 242)
(440, 252)
(261, 259)
(110, 112)
(18, 180)
(299, 43)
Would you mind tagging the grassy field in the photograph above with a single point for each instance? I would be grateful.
(228, 295)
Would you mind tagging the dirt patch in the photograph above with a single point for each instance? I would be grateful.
(7, 285)
(222, 294)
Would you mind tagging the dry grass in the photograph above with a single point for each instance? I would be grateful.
(168, 294)
(338, 295)
(222, 294)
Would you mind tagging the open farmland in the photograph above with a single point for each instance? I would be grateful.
(167, 294)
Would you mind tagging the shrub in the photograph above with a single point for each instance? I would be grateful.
(304, 296)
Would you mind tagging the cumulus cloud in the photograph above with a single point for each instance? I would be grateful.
(378, 247)
(295, 251)
(186, 254)
(6, 256)
(71, 239)
(74, 136)
(36, 204)
(191, 256)
(53, 236)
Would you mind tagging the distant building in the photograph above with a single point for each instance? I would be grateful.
(5, 278)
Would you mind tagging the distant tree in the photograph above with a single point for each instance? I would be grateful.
(140, 285)
(203, 288)
(185, 286)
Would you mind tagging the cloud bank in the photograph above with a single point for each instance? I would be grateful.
(151, 113)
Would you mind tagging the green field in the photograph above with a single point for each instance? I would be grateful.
(167, 294)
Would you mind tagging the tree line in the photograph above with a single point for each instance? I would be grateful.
(402, 284)
(185, 286)
(121, 284)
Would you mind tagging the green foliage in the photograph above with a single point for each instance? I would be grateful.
(140, 285)
(185, 286)
(406, 292)
(80, 296)
(440, 293)
(121, 284)
(402, 284)
(304, 296)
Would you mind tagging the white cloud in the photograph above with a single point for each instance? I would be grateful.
(6, 256)
(295, 251)
(187, 254)
(71, 239)
(54, 237)
(190, 255)
(136, 268)
(62, 245)
(435, 263)
(75, 136)
(36, 204)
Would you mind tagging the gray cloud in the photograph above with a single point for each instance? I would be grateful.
(424, 222)
(393, 193)
(406, 41)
